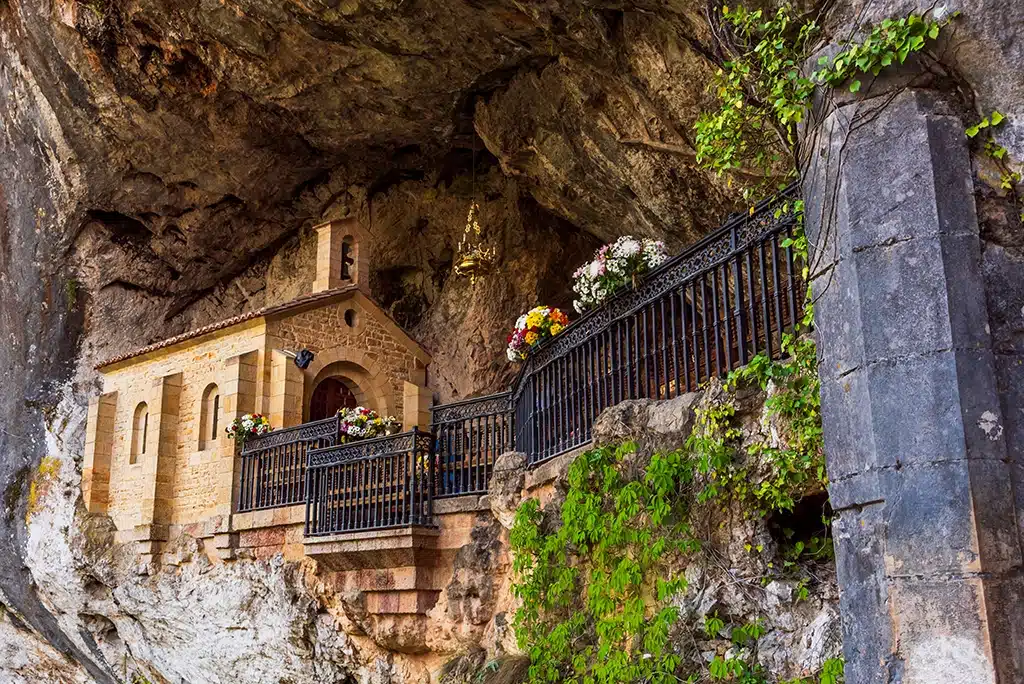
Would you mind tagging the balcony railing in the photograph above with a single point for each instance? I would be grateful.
(471, 435)
(273, 471)
(371, 485)
(701, 314)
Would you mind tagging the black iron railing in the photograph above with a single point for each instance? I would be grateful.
(273, 469)
(700, 315)
(471, 434)
(370, 485)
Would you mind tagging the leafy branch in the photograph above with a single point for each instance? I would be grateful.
(763, 93)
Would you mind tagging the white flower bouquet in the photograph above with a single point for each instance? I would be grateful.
(614, 266)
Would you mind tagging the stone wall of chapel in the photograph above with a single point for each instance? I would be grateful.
(200, 363)
(325, 328)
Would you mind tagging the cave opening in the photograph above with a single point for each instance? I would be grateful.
(806, 528)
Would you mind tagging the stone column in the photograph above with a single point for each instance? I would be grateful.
(238, 397)
(285, 391)
(158, 469)
(928, 546)
(416, 407)
(99, 446)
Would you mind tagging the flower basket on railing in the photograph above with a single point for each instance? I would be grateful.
(363, 423)
(248, 426)
(615, 266)
(532, 328)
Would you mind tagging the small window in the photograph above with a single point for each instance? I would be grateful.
(351, 318)
(140, 432)
(209, 417)
(348, 257)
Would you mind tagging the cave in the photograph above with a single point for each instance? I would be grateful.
(211, 212)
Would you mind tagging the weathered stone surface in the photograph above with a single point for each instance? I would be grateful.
(663, 423)
(505, 491)
(911, 402)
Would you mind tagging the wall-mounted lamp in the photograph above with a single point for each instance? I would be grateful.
(303, 359)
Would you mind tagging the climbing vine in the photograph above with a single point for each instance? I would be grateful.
(764, 93)
(784, 473)
(593, 606)
(1009, 177)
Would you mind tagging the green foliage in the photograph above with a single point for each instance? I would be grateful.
(1008, 177)
(990, 121)
(594, 608)
(713, 625)
(832, 672)
(888, 43)
(595, 590)
(795, 404)
(763, 93)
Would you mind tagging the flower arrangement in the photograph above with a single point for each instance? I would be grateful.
(614, 266)
(363, 423)
(532, 328)
(249, 425)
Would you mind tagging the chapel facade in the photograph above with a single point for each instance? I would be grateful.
(158, 460)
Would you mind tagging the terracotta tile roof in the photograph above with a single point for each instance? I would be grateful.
(227, 323)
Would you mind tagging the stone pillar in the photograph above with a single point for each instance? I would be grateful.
(99, 447)
(416, 404)
(238, 397)
(158, 470)
(285, 391)
(927, 538)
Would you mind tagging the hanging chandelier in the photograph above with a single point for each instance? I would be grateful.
(474, 257)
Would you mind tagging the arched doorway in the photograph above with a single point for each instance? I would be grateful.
(329, 396)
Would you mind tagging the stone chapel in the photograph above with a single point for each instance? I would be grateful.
(157, 457)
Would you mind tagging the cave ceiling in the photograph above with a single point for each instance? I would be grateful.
(205, 133)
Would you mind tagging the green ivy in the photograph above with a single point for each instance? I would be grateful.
(593, 607)
(888, 43)
(763, 94)
(1009, 178)
(789, 471)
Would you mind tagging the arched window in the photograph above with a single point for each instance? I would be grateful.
(348, 256)
(209, 417)
(140, 432)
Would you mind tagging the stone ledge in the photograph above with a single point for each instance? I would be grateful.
(273, 517)
(470, 503)
(389, 548)
(546, 472)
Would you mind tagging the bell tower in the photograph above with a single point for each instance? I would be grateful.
(341, 255)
